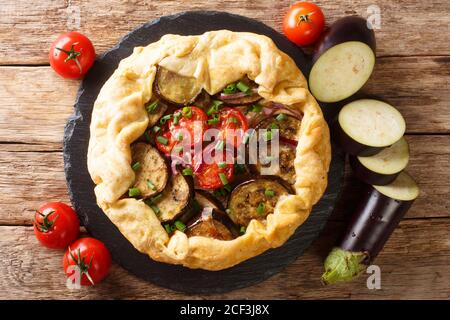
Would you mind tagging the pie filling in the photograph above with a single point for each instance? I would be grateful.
(208, 165)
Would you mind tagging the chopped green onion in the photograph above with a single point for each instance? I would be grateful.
(219, 145)
(268, 136)
(227, 188)
(222, 192)
(269, 193)
(147, 136)
(162, 140)
(273, 126)
(231, 88)
(156, 129)
(151, 185)
(256, 107)
(281, 117)
(260, 209)
(223, 178)
(156, 198)
(134, 192)
(187, 172)
(179, 137)
(164, 119)
(151, 108)
(136, 166)
(214, 120)
(167, 227)
(243, 229)
(176, 117)
(155, 209)
(243, 87)
(187, 112)
(178, 149)
(232, 120)
(180, 225)
(216, 104)
(222, 165)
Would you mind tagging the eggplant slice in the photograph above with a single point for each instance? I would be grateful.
(367, 126)
(175, 88)
(384, 167)
(205, 199)
(288, 127)
(255, 199)
(286, 159)
(176, 198)
(153, 173)
(155, 114)
(210, 227)
(343, 60)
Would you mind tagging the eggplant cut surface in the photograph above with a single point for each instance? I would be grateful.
(286, 159)
(176, 88)
(288, 127)
(251, 200)
(157, 113)
(403, 188)
(384, 167)
(210, 228)
(367, 126)
(153, 173)
(343, 60)
(175, 198)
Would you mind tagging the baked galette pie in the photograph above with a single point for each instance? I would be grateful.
(173, 151)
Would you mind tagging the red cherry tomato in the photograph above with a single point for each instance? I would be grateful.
(303, 23)
(189, 120)
(233, 125)
(89, 259)
(211, 173)
(71, 55)
(56, 225)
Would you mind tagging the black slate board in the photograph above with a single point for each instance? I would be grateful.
(76, 137)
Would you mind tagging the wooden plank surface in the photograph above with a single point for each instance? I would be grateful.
(32, 174)
(28, 27)
(412, 266)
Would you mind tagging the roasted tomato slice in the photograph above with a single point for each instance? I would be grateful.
(182, 125)
(232, 125)
(217, 167)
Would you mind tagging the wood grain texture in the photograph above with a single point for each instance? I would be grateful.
(32, 174)
(414, 264)
(408, 27)
(36, 103)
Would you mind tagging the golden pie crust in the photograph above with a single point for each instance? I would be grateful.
(215, 59)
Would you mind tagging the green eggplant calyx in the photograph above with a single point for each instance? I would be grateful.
(342, 265)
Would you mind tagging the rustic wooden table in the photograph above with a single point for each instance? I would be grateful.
(412, 72)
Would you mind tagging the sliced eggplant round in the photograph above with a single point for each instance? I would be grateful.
(367, 126)
(176, 198)
(343, 60)
(155, 110)
(151, 170)
(384, 167)
(175, 88)
(211, 226)
(286, 157)
(205, 199)
(255, 199)
(288, 127)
